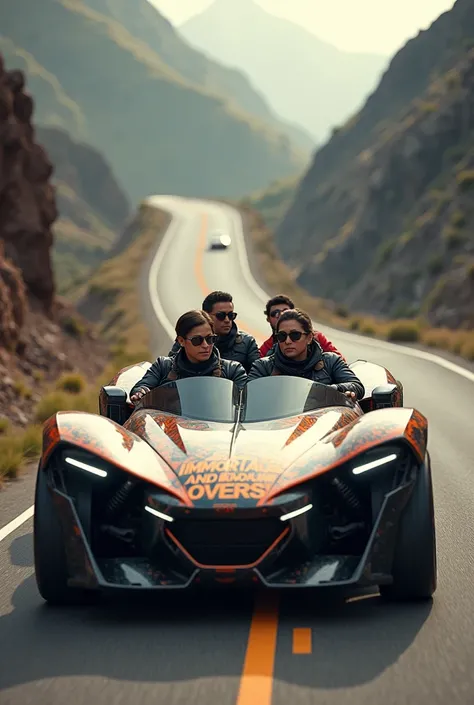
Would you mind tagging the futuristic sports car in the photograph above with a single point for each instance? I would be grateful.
(285, 484)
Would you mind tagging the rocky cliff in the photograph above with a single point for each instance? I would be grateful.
(39, 335)
(92, 207)
(27, 206)
(383, 221)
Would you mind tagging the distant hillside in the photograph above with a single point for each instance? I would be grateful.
(273, 202)
(305, 79)
(383, 221)
(159, 131)
(144, 22)
(53, 106)
(92, 208)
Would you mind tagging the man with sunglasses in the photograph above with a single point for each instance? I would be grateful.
(274, 308)
(232, 343)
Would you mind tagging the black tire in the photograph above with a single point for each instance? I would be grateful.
(414, 565)
(51, 571)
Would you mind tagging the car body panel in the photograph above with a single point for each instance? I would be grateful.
(252, 466)
(213, 496)
(111, 442)
(353, 439)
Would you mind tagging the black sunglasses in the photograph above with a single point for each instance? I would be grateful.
(221, 315)
(198, 340)
(294, 335)
(277, 312)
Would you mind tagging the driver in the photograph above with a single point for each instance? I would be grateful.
(232, 343)
(197, 356)
(297, 354)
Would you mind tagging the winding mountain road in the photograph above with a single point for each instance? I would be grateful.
(280, 650)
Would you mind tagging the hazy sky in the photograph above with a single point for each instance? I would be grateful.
(354, 25)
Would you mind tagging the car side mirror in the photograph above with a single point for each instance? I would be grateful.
(113, 404)
(384, 396)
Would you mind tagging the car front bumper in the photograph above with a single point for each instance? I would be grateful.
(281, 565)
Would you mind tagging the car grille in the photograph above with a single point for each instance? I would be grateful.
(227, 542)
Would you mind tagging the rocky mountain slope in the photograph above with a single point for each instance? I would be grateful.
(40, 335)
(159, 131)
(92, 207)
(305, 79)
(383, 220)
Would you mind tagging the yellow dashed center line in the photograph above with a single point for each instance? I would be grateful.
(256, 683)
(302, 642)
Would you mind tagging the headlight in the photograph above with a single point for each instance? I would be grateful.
(296, 512)
(85, 466)
(358, 469)
(156, 513)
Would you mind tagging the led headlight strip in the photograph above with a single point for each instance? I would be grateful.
(374, 464)
(86, 466)
(158, 514)
(296, 512)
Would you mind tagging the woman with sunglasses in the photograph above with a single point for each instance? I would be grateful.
(274, 308)
(197, 356)
(299, 355)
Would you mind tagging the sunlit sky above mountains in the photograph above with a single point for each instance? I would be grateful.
(353, 25)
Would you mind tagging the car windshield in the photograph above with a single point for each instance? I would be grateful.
(215, 399)
(203, 398)
(278, 397)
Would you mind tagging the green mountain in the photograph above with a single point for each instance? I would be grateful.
(159, 131)
(144, 22)
(383, 220)
(273, 201)
(305, 80)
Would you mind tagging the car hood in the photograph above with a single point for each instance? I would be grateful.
(214, 462)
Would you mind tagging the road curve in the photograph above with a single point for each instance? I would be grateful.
(360, 652)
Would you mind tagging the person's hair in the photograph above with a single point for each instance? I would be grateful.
(215, 297)
(278, 299)
(190, 320)
(296, 314)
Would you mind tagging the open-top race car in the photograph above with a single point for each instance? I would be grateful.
(284, 484)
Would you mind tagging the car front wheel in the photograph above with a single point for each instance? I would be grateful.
(414, 568)
(49, 552)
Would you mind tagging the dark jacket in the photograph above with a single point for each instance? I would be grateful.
(237, 345)
(322, 367)
(168, 369)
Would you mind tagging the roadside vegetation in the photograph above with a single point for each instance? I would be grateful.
(278, 277)
(120, 324)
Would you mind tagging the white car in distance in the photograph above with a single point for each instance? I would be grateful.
(219, 241)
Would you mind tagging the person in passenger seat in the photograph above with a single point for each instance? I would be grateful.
(298, 354)
(274, 309)
(232, 343)
(197, 356)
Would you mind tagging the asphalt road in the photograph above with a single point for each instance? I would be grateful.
(235, 652)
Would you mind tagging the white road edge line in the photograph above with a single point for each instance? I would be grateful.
(9, 528)
(154, 270)
(260, 294)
